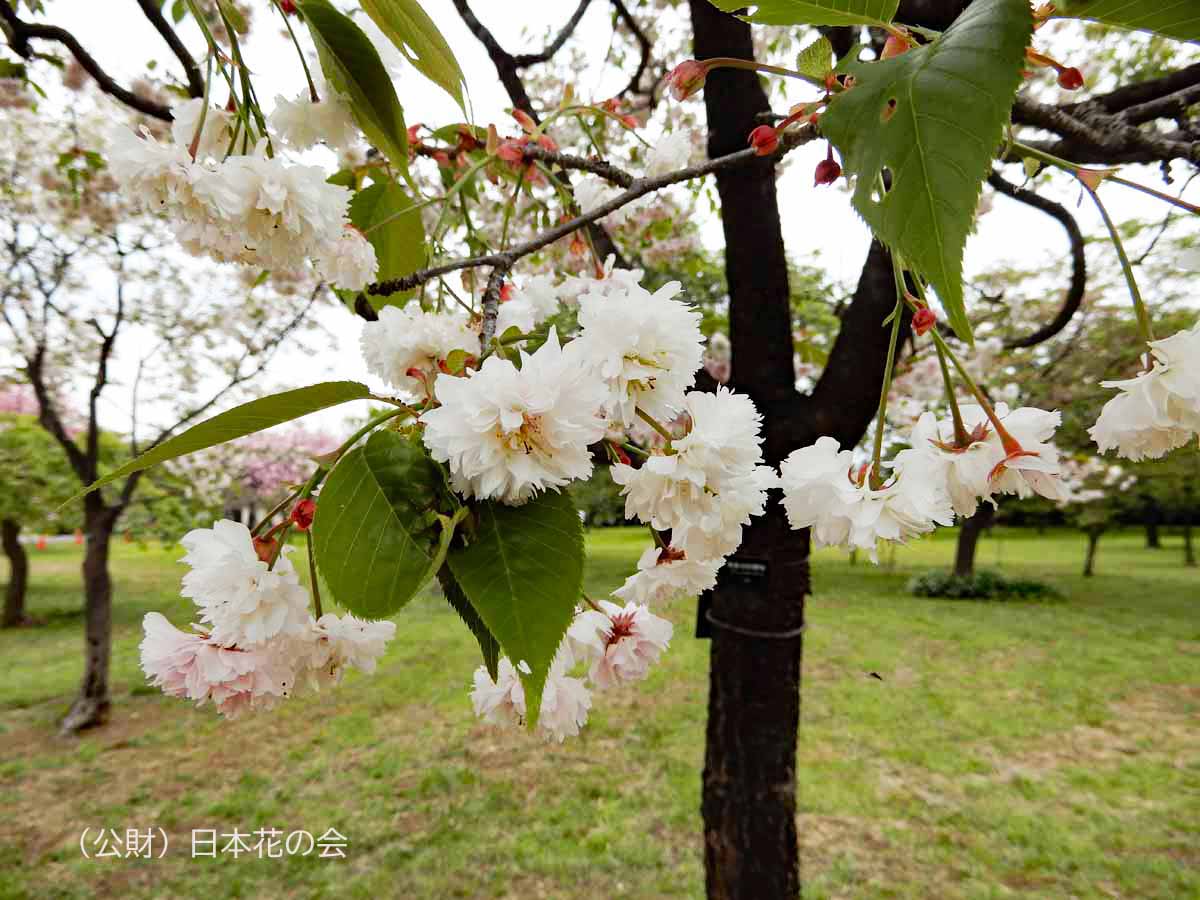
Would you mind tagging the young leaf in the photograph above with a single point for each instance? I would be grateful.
(375, 533)
(415, 35)
(248, 418)
(387, 215)
(1179, 19)
(523, 572)
(933, 117)
(488, 645)
(815, 12)
(352, 65)
(816, 60)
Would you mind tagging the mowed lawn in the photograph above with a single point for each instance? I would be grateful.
(1034, 749)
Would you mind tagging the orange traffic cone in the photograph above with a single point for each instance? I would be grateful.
(41, 542)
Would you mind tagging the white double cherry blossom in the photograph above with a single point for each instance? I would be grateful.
(255, 643)
(248, 207)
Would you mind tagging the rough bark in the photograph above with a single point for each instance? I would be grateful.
(92, 704)
(18, 574)
(968, 538)
(749, 792)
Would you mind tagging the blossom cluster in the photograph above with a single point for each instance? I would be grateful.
(255, 642)
(252, 207)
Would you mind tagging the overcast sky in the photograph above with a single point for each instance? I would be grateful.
(816, 221)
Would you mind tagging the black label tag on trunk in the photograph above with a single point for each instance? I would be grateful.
(737, 572)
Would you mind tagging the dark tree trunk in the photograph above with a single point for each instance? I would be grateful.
(1152, 518)
(18, 574)
(1152, 539)
(1089, 562)
(749, 795)
(968, 538)
(91, 706)
(1189, 552)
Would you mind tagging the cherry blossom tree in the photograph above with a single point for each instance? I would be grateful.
(519, 346)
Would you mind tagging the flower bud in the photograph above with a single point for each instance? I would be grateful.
(894, 46)
(828, 171)
(923, 319)
(765, 140)
(303, 512)
(687, 78)
(288, 7)
(1070, 78)
(265, 548)
(524, 120)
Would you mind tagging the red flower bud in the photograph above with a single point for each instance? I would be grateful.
(687, 78)
(288, 7)
(512, 151)
(412, 134)
(1070, 78)
(506, 291)
(622, 456)
(524, 120)
(265, 548)
(923, 319)
(765, 140)
(828, 171)
(303, 512)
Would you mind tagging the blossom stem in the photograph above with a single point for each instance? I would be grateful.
(881, 419)
(590, 602)
(634, 448)
(655, 424)
(961, 438)
(1006, 439)
(312, 87)
(312, 575)
(281, 540)
(1143, 315)
(659, 540)
(194, 147)
(278, 507)
(729, 62)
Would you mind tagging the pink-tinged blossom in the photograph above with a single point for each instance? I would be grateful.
(499, 702)
(620, 643)
(666, 573)
(194, 666)
(332, 644)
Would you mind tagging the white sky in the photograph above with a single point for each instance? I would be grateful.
(816, 221)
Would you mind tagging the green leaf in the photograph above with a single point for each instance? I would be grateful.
(934, 117)
(523, 572)
(415, 35)
(232, 16)
(814, 12)
(376, 533)
(816, 60)
(387, 215)
(240, 421)
(488, 645)
(352, 65)
(1178, 19)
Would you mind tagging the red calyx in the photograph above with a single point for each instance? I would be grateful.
(303, 512)
(288, 7)
(1070, 78)
(923, 319)
(265, 548)
(687, 78)
(765, 140)
(828, 171)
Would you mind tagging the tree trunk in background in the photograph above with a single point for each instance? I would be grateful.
(1089, 562)
(18, 574)
(1189, 552)
(91, 706)
(749, 793)
(968, 538)
(1152, 517)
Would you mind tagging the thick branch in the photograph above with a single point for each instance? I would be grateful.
(531, 59)
(638, 187)
(1075, 290)
(595, 165)
(153, 11)
(22, 32)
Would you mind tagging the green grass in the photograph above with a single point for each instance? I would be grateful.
(1036, 749)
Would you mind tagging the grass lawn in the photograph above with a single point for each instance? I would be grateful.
(1035, 749)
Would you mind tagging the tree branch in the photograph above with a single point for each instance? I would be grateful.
(643, 43)
(1075, 290)
(22, 32)
(153, 12)
(638, 187)
(525, 60)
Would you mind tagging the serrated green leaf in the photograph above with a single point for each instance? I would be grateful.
(814, 12)
(933, 117)
(1178, 19)
(386, 214)
(375, 532)
(415, 35)
(816, 60)
(523, 572)
(488, 645)
(352, 65)
(249, 418)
